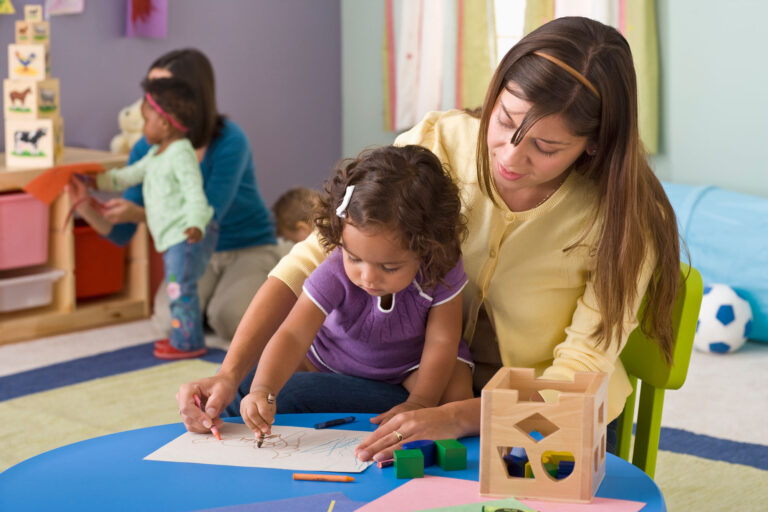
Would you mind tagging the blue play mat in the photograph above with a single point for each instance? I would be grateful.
(727, 236)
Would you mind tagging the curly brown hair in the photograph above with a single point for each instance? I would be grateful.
(404, 189)
(176, 98)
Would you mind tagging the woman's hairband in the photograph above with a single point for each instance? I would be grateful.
(165, 114)
(341, 211)
(578, 76)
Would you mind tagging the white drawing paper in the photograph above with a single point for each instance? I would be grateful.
(296, 448)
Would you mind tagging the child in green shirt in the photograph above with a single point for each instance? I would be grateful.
(178, 214)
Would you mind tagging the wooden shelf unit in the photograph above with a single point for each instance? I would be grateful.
(65, 314)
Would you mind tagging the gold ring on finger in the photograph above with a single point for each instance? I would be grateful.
(400, 436)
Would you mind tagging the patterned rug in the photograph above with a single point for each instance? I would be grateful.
(128, 388)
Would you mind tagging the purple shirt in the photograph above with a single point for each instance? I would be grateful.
(360, 338)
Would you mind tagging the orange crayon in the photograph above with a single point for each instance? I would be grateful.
(323, 478)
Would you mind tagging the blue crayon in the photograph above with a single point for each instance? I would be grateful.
(333, 423)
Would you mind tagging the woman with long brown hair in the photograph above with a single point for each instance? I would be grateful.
(247, 247)
(568, 230)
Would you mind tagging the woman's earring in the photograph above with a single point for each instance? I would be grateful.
(592, 150)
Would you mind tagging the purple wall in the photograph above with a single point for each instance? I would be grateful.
(277, 64)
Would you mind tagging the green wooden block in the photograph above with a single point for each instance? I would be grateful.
(451, 454)
(409, 464)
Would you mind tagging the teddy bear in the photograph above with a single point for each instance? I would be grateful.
(131, 124)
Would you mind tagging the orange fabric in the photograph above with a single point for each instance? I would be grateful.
(47, 186)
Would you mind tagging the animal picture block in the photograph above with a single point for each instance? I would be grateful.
(560, 442)
(25, 99)
(37, 143)
(33, 32)
(28, 61)
(33, 12)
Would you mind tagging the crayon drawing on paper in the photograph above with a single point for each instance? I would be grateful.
(295, 448)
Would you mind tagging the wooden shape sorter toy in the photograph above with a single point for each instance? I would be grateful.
(30, 99)
(513, 415)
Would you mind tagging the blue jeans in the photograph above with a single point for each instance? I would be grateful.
(330, 392)
(184, 266)
(327, 392)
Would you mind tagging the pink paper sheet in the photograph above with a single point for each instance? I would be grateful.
(437, 491)
(425, 493)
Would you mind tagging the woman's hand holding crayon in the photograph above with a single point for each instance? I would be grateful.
(216, 392)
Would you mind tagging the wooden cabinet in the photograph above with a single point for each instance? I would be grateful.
(65, 313)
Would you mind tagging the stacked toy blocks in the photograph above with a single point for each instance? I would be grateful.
(410, 462)
(33, 126)
(553, 450)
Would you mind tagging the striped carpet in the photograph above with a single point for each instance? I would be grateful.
(128, 388)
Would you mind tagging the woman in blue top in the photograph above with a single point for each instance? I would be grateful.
(247, 248)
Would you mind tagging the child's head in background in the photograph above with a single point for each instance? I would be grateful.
(169, 110)
(293, 213)
(403, 217)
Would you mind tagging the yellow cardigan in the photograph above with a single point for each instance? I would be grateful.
(539, 299)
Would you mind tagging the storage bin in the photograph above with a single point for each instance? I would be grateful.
(99, 264)
(23, 231)
(27, 287)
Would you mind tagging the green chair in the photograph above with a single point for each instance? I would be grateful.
(643, 360)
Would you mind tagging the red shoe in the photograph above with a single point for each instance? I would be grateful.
(171, 352)
(162, 344)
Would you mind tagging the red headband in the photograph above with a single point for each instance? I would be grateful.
(165, 114)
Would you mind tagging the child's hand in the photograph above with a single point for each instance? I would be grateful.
(77, 190)
(258, 411)
(194, 235)
(89, 180)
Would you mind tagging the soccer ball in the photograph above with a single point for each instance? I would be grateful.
(725, 320)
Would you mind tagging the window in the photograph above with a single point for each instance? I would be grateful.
(510, 22)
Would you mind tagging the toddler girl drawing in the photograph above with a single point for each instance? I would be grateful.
(178, 214)
(386, 304)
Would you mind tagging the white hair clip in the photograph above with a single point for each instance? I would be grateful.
(341, 211)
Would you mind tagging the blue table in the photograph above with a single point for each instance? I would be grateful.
(109, 473)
